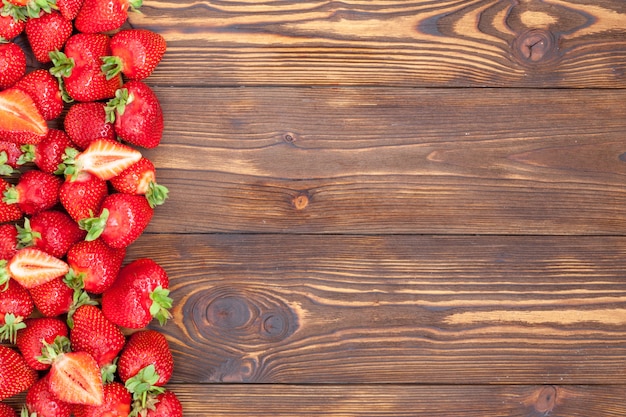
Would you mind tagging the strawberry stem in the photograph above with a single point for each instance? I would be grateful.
(4, 275)
(62, 65)
(161, 303)
(51, 351)
(11, 325)
(28, 154)
(5, 168)
(94, 225)
(112, 66)
(26, 235)
(117, 105)
(156, 194)
(11, 195)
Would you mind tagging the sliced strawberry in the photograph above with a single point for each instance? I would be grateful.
(31, 267)
(20, 120)
(103, 158)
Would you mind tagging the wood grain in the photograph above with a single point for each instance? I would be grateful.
(549, 43)
(396, 309)
(387, 160)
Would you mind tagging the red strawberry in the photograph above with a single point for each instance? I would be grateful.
(8, 241)
(144, 348)
(15, 305)
(83, 196)
(10, 27)
(137, 114)
(10, 153)
(94, 264)
(8, 212)
(31, 267)
(69, 8)
(12, 64)
(15, 374)
(45, 91)
(140, 179)
(35, 191)
(92, 332)
(117, 401)
(135, 53)
(79, 67)
(104, 15)
(20, 120)
(86, 122)
(53, 298)
(139, 293)
(29, 339)
(74, 376)
(52, 231)
(47, 33)
(167, 405)
(47, 154)
(42, 402)
(122, 219)
(6, 410)
(103, 158)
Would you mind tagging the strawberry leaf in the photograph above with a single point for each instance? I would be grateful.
(117, 105)
(156, 194)
(26, 235)
(50, 351)
(161, 303)
(5, 168)
(12, 324)
(94, 225)
(62, 65)
(4, 275)
(28, 154)
(11, 195)
(112, 66)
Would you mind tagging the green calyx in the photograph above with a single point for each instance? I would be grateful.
(156, 194)
(62, 65)
(28, 154)
(12, 323)
(108, 372)
(161, 303)
(26, 236)
(134, 5)
(11, 195)
(94, 225)
(35, 7)
(79, 298)
(13, 10)
(50, 351)
(25, 413)
(5, 168)
(142, 387)
(68, 166)
(117, 105)
(4, 275)
(112, 66)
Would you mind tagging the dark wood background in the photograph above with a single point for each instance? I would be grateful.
(393, 207)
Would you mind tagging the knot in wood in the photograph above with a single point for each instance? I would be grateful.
(274, 325)
(546, 400)
(229, 312)
(535, 47)
(301, 201)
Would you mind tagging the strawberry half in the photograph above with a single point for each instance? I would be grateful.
(31, 267)
(20, 119)
(103, 158)
(15, 374)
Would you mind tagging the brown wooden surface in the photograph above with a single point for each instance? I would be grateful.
(356, 227)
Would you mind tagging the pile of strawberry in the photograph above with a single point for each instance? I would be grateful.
(76, 192)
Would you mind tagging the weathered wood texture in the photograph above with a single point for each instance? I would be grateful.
(398, 309)
(557, 43)
(388, 160)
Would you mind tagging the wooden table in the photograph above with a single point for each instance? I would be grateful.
(393, 208)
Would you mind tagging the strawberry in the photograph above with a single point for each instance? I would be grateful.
(8, 241)
(47, 33)
(31, 267)
(10, 153)
(74, 376)
(42, 402)
(137, 114)
(140, 179)
(139, 293)
(15, 374)
(53, 298)
(29, 340)
(144, 348)
(45, 91)
(8, 212)
(52, 231)
(92, 332)
(47, 154)
(104, 15)
(35, 191)
(12, 64)
(10, 27)
(117, 402)
(6, 410)
(94, 264)
(86, 122)
(78, 67)
(20, 120)
(135, 53)
(167, 405)
(15, 305)
(82, 196)
(69, 8)
(103, 158)
(122, 219)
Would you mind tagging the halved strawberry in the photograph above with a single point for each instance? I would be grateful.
(103, 158)
(31, 267)
(74, 376)
(20, 120)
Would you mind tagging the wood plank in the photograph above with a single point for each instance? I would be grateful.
(405, 400)
(387, 160)
(394, 309)
(550, 43)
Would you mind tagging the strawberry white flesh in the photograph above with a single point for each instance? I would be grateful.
(31, 267)
(106, 158)
(75, 378)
